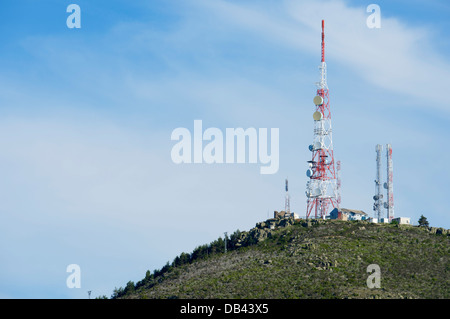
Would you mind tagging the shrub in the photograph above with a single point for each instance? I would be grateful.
(423, 222)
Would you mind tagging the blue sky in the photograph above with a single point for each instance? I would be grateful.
(86, 117)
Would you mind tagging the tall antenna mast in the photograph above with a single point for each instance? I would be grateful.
(321, 189)
(389, 185)
(287, 201)
(338, 182)
(378, 197)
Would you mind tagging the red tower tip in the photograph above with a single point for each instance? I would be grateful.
(323, 40)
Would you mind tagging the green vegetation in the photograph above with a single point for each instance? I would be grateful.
(423, 222)
(307, 259)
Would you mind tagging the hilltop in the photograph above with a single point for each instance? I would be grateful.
(307, 259)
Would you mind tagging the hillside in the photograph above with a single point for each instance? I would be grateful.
(308, 259)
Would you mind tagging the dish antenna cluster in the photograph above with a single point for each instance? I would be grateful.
(321, 189)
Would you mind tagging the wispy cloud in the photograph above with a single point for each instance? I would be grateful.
(396, 57)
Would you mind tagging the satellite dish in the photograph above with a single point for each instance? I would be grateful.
(310, 165)
(311, 148)
(375, 197)
(309, 172)
(318, 100)
(317, 191)
(317, 116)
(385, 185)
(386, 205)
(318, 145)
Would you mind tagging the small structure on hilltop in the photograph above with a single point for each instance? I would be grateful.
(348, 214)
(403, 220)
(283, 214)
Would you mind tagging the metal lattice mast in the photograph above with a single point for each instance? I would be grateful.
(378, 197)
(321, 189)
(287, 200)
(389, 205)
(338, 182)
(225, 240)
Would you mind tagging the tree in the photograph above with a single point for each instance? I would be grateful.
(199, 252)
(234, 238)
(166, 268)
(117, 293)
(184, 258)
(217, 245)
(129, 288)
(423, 222)
(176, 262)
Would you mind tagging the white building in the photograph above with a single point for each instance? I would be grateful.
(403, 220)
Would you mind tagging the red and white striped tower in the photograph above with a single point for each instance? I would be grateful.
(389, 185)
(321, 189)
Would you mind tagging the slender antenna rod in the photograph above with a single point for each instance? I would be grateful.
(323, 40)
(225, 233)
(287, 201)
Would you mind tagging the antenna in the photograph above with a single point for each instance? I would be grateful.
(389, 184)
(378, 198)
(226, 234)
(323, 40)
(338, 183)
(287, 201)
(89, 294)
(321, 188)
